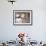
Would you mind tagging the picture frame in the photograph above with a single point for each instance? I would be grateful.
(22, 17)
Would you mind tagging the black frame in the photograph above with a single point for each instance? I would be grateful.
(14, 11)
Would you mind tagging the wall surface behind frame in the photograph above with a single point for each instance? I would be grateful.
(37, 31)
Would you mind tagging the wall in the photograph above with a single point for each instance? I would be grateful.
(37, 31)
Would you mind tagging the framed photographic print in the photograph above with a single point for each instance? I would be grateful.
(22, 17)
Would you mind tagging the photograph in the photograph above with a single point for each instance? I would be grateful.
(22, 16)
(22, 22)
